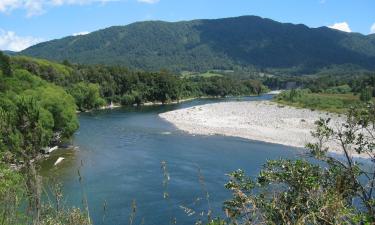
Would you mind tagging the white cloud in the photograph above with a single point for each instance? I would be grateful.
(148, 1)
(6, 5)
(37, 7)
(81, 33)
(372, 29)
(344, 26)
(9, 40)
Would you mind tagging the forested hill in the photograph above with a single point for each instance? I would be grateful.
(246, 42)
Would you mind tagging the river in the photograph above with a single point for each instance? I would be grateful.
(119, 158)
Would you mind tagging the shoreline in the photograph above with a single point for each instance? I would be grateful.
(170, 103)
(117, 105)
(261, 121)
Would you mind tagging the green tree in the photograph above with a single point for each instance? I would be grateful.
(166, 88)
(62, 108)
(33, 137)
(5, 64)
(33, 113)
(255, 86)
(86, 95)
(127, 99)
(23, 132)
(366, 94)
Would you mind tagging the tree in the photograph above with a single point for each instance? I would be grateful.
(62, 107)
(23, 132)
(5, 64)
(357, 135)
(301, 192)
(33, 136)
(255, 86)
(166, 88)
(304, 195)
(366, 94)
(127, 99)
(31, 112)
(86, 95)
(26, 130)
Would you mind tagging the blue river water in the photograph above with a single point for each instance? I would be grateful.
(120, 154)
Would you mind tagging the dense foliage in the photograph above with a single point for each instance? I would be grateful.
(25, 98)
(86, 95)
(304, 98)
(27, 94)
(337, 191)
(340, 83)
(120, 85)
(18, 188)
(242, 44)
(5, 64)
(33, 114)
(330, 93)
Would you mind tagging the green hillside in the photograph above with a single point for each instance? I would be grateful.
(241, 43)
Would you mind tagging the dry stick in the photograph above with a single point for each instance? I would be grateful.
(58, 195)
(104, 211)
(133, 212)
(45, 191)
(207, 195)
(84, 200)
(166, 179)
(364, 196)
(34, 189)
(372, 184)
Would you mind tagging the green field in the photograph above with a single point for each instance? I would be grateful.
(338, 103)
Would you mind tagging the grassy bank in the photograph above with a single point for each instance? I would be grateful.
(337, 103)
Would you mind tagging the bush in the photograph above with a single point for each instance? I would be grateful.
(293, 95)
(87, 96)
(366, 94)
(127, 99)
(337, 190)
(343, 89)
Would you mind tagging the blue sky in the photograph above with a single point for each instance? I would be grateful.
(26, 22)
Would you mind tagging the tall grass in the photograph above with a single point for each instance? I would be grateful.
(337, 103)
(24, 200)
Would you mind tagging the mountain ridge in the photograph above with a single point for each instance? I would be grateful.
(246, 42)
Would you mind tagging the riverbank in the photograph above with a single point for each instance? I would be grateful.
(170, 103)
(116, 105)
(263, 121)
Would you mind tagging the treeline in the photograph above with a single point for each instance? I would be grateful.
(332, 84)
(120, 85)
(331, 98)
(56, 91)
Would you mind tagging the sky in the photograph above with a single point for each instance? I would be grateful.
(27, 22)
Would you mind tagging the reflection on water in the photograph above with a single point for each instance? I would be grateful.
(121, 151)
